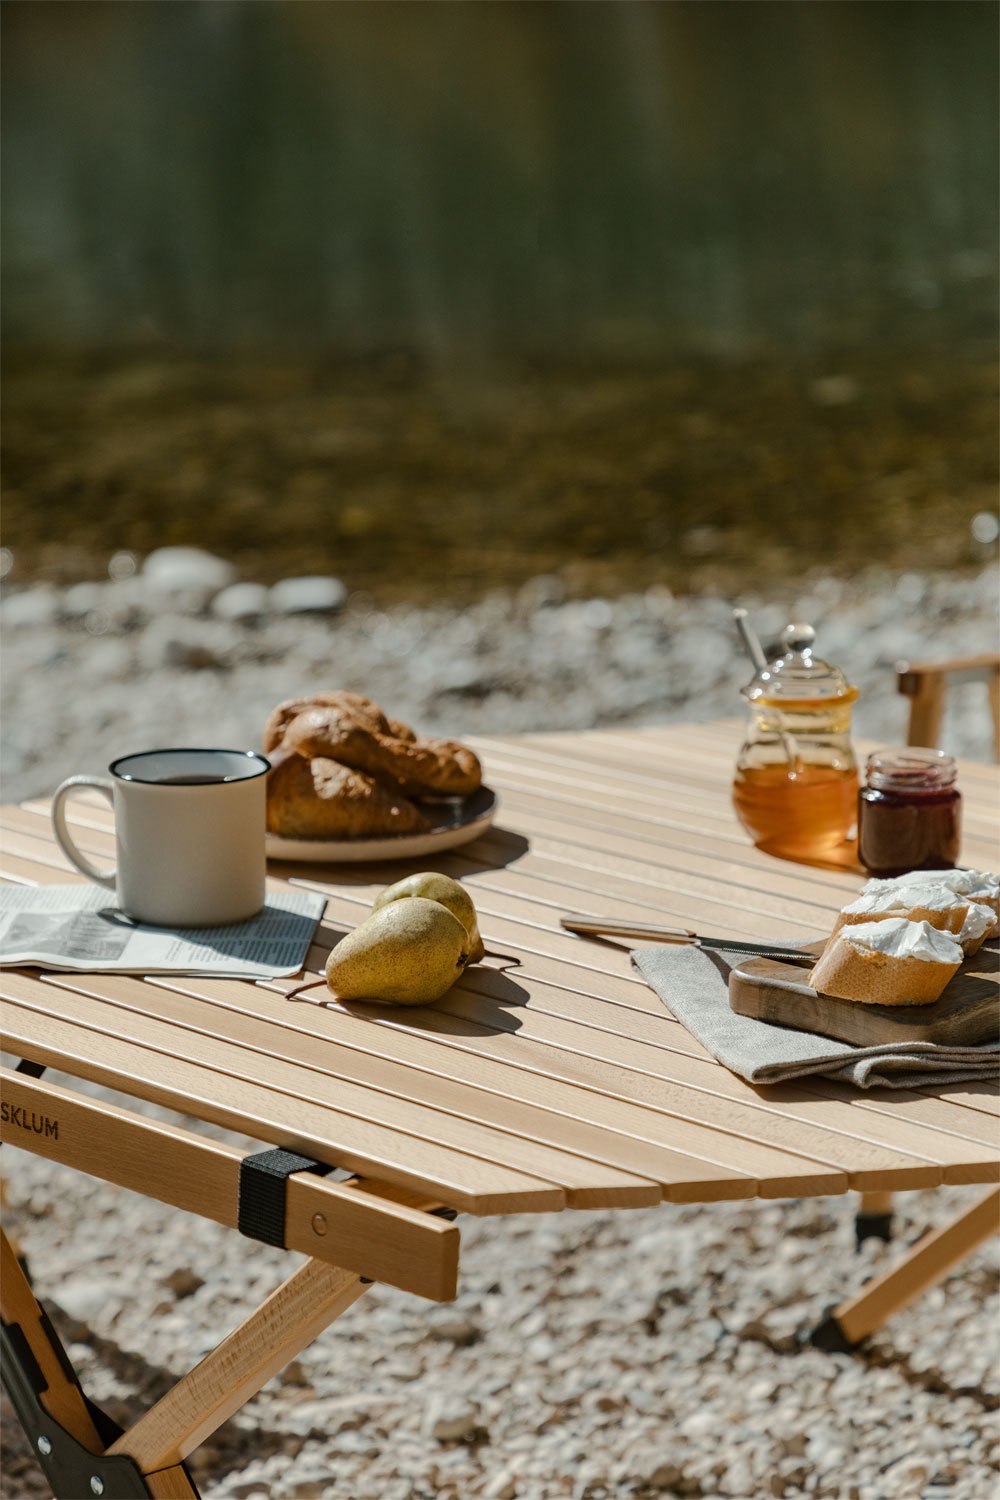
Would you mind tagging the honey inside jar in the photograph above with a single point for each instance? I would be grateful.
(795, 789)
(805, 813)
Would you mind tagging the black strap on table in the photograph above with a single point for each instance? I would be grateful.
(263, 1184)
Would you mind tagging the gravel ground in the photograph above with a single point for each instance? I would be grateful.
(589, 1354)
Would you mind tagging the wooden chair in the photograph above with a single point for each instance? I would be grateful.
(926, 685)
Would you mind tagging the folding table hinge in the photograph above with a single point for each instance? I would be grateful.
(262, 1190)
(73, 1472)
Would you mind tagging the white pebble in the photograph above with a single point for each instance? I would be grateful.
(83, 1298)
(450, 1419)
(241, 601)
(182, 568)
(295, 596)
(29, 609)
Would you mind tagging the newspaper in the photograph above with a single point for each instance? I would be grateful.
(79, 927)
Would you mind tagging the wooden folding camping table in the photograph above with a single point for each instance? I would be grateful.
(560, 1083)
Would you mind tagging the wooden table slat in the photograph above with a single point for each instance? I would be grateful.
(654, 779)
(362, 1146)
(668, 1111)
(557, 883)
(18, 850)
(625, 1135)
(262, 1025)
(668, 1065)
(293, 1089)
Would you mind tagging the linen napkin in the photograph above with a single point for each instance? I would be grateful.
(693, 984)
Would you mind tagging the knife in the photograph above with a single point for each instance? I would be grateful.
(651, 932)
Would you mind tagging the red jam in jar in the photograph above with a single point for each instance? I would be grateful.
(909, 813)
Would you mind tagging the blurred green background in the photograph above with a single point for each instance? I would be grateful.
(437, 296)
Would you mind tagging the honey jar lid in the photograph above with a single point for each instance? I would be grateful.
(799, 676)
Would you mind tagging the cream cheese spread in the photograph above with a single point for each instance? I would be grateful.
(899, 938)
(979, 922)
(981, 883)
(930, 896)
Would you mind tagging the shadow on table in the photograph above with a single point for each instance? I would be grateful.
(462, 1012)
(843, 862)
(105, 933)
(983, 1088)
(492, 851)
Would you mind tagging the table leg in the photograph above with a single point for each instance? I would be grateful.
(928, 1262)
(873, 1220)
(68, 1434)
(236, 1369)
(382, 1232)
(61, 1396)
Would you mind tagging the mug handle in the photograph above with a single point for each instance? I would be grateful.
(106, 787)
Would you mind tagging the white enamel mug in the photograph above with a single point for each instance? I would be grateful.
(189, 826)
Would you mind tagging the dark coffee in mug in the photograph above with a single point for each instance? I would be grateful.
(189, 780)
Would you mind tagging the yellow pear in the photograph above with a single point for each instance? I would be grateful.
(406, 953)
(433, 886)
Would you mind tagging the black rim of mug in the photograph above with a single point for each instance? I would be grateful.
(265, 765)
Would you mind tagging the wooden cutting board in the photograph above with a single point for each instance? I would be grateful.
(967, 1013)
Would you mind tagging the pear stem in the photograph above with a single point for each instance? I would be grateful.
(508, 958)
(300, 989)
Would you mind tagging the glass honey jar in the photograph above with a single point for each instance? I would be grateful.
(796, 784)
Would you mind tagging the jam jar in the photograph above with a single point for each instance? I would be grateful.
(909, 812)
(795, 789)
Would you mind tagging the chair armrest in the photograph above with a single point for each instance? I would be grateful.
(925, 684)
(958, 670)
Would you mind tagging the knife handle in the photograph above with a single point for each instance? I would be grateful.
(616, 927)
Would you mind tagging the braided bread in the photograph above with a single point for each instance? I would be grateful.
(320, 799)
(440, 768)
(362, 709)
(351, 729)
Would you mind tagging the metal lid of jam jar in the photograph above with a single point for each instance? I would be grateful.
(799, 677)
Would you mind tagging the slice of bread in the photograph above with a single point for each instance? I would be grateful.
(890, 962)
(979, 886)
(937, 905)
(979, 924)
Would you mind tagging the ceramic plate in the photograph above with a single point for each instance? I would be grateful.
(456, 820)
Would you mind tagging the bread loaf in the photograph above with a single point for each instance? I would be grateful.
(343, 769)
(978, 926)
(361, 709)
